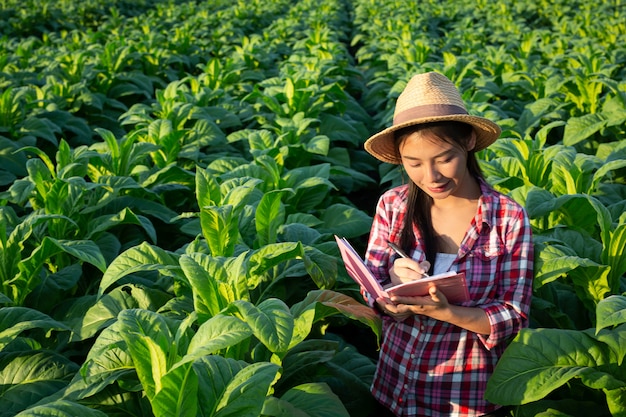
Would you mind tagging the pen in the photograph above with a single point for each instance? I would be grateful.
(397, 249)
(400, 252)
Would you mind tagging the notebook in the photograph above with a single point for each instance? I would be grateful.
(453, 285)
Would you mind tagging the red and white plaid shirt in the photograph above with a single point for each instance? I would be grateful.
(429, 367)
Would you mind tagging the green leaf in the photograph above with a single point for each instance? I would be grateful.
(591, 284)
(232, 388)
(539, 361)
(15, 320)
(271, 322)
(246, 392)
(207, 189)
(217, 333)
(40, 128)
(616, 400)
(611, 312)
(61, 408)
(84, 250)
(338, 129)
(320, 266)
(270, 256)
(614, 255)
(126, 216)
(94, 314)
(208, 301)
(178, 396)
(603, 171)
(320, 304)
(240, 191)
(143, 257)
(149, 343)
(578, 129)
(346, 221)
(220, 229)
(270, 214)
(555, 261)
(108, 362)
(28, 377)
(318, 145)
(215, 373)
(306, 400)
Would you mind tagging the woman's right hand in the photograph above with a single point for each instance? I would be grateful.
(406, 270)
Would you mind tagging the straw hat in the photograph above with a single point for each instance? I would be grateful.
(429, 97)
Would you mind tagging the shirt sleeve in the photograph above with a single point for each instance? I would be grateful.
(509, 314)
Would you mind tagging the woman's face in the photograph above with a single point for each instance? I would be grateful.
(437, 167)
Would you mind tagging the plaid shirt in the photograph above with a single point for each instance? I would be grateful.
(432, 368)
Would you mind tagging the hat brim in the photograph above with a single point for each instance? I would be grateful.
(383, 148)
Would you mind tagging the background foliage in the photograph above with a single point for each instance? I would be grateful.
(172, 174)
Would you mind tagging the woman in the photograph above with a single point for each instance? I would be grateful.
(435, 357)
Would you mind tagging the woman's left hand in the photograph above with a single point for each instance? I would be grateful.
(436, 301)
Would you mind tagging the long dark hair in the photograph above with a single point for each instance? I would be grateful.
(418, 202)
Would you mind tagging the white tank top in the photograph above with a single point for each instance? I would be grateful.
(443, 262)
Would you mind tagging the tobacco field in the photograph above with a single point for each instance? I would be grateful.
(172, 174)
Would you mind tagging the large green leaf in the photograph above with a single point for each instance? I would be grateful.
(149, 343)
(321, 267)
(577, 210)
(215, 373)
(55, 287)
(246, 391)
(307, 361)
(217, 333)
(208, 301)
(350, 368)
(220, 228)
(538, 361)
(126, 216)
(346, 221)
(12, 246)
(333, 362)
(320, 304)
(233, 388)
(269, 256)
(207, 189)
(306, 400)
(578, 129)
(271, 322)
(108, 362)
(92, 314)
(178, 396)
(27, 377)
(84, 250)
(15, 320)
(270, 214)
(615, 254)
(611, 312)
(143, 257)
(61, 408)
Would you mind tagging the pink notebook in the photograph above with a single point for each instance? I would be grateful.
(452, 284)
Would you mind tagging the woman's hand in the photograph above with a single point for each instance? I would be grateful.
(390, 309)
(400, 308)
(436, 306)
(406, 270)
(430, 305)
